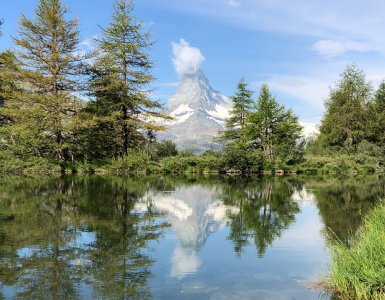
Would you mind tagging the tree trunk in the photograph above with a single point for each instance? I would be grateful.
(124, 131)
(60, 157)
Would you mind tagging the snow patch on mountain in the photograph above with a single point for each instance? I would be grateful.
(181, 114)
(199, 113)
(220, 113)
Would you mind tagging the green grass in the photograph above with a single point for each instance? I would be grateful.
(358, 271)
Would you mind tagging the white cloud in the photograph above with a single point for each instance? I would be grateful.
(343, 20)
(333, 48)
(170, 84)
(184, 261)
(309, 129)
(313, 92)
(233, 3)
(187, 59)
(88, 43)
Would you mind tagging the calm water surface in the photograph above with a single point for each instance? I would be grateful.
(174, 238)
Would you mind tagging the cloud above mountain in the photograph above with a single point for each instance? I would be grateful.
(333, 48)
(186, 59)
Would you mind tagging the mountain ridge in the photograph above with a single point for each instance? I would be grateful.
(199, 114)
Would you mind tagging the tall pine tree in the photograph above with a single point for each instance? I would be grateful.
(121, 78)
(274, 129)
(49, 56)
(377, 116)
(345, 121)
(8, 87)
(235, 124)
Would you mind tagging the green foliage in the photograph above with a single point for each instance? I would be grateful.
(377, 116)
(358, 269)
(185, 162)
(274, 130)
(242, 161)
(53, 227)
(8, 87)
(42, 121)
(48, 65)
(120, 77)
(260, 134)
(367, 158)
(345, 121)
(265, 210)
(235, 124)
(9, 163)
(164, 148)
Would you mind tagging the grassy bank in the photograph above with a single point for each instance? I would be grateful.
(358, 271)
(210, 162)
(189, 164)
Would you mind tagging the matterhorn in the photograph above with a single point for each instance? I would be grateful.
(199, 113)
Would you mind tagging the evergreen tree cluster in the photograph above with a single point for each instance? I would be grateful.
(41, 112)
(354, 120)
(260, 133)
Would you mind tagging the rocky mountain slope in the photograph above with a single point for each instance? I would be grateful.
(199, 113)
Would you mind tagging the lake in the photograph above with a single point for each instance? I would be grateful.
(106, 237)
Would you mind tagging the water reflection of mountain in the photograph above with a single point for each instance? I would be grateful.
(193, 214)
(257, 211)
(78, 236)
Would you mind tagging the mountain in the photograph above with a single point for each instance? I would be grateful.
(199, 113)
(193, 214)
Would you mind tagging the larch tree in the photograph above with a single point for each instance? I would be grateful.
(377, 115)
(8, 87)
(235, 124)
(345, 121)
(120, 79)
(49, 54)
(273, 129)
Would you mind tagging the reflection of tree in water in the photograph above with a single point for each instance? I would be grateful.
(121, 231)
(39, 231)
(265, 210)
(43, 252)
(60, 236)
(343, 201)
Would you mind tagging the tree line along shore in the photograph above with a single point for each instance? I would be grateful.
(63, 109)
(47, 126)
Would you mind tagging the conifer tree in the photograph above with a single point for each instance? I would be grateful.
(377, 115)
(51, 64)
(273, 128)
(121, 77)
(235, 124)
(345, 121)
(8, 88)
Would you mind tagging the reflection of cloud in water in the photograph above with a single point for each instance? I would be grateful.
(303, 196)
(184, 261)
(194, 215)
(174, 207)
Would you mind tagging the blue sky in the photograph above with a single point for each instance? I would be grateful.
(298, 47)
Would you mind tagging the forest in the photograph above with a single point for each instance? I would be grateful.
(67, 110)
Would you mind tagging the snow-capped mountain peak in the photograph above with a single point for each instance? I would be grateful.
(199, 113)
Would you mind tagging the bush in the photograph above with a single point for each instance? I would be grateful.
(134, 162)
(189, 163)
(9, 163)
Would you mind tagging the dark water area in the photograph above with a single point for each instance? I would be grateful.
(110, 237)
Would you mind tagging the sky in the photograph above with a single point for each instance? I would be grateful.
(298, 47)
